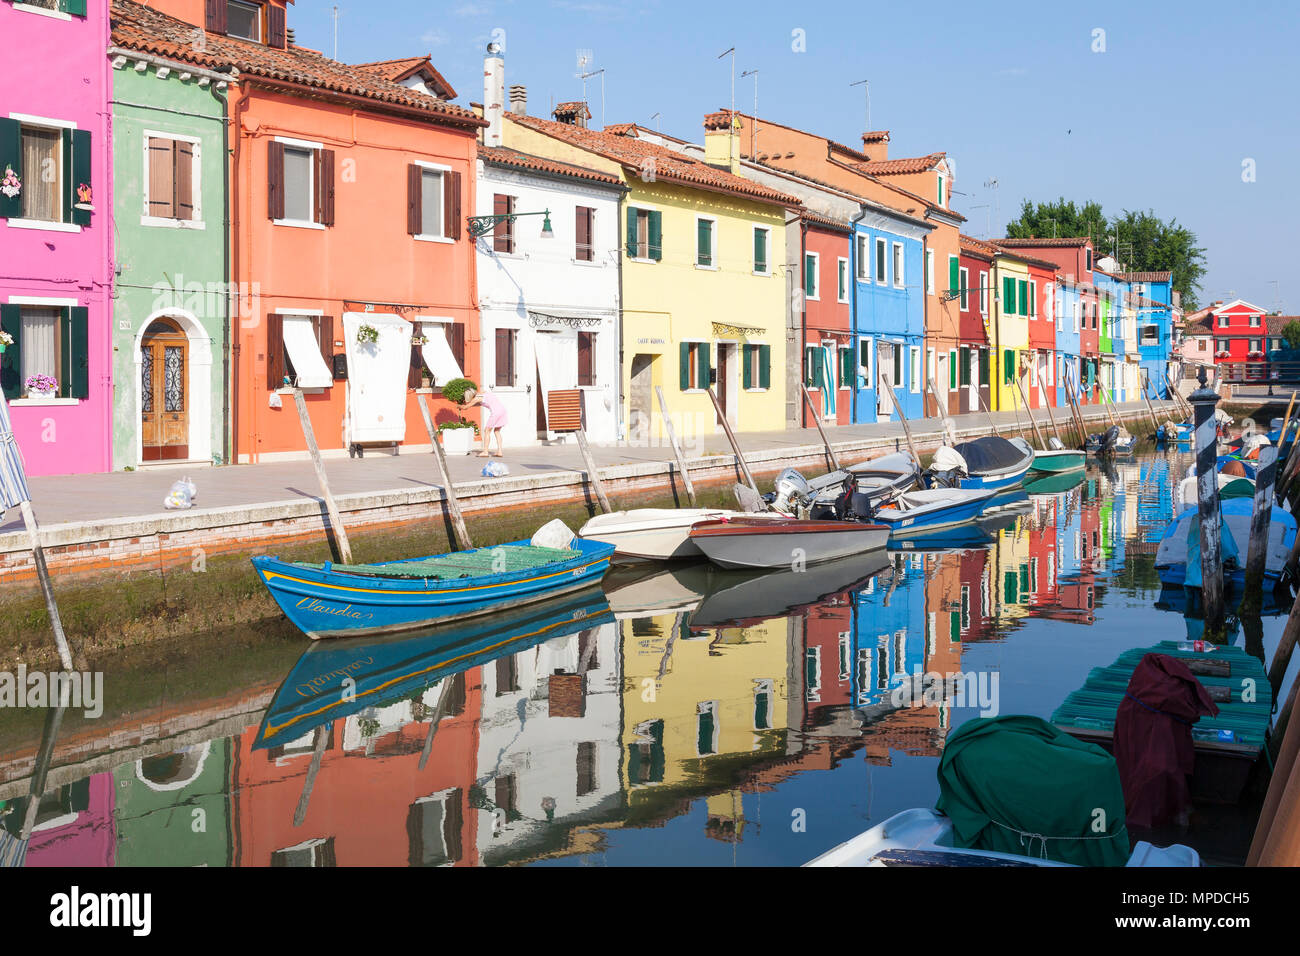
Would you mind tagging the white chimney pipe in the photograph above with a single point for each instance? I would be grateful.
(494, 94)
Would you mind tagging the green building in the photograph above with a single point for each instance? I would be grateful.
(170, 335)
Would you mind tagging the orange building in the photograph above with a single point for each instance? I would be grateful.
(348, 188)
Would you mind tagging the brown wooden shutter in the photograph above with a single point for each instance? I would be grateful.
(455, 332)
(275, 180)
(161, 178)
(501, 231)
(184, 155)
(417, 359)
(215, 15)
(275, 26)
(586, 341)
(324, 213)
(275, 367)
(325, 336)
(451, 204)
(582, 232)
(414, 200)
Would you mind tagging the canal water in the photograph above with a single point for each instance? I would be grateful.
(677, 716)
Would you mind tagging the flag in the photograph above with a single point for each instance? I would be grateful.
(13, 477)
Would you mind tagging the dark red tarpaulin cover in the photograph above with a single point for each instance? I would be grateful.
(1153, 739)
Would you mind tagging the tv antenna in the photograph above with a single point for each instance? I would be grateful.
(732, 115)
(336, 32)
(584, 76)
(992, 183)
(867, 93)
(753, 120)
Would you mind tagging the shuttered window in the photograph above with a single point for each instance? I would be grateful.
(1023, 305)
(503, 233)
(300, 184)
(54, 167)
(760, 250)
(46, 341)
(963, 364)
(171, 193)
(432, 202)
(704, 254)
(694, 365)
(963, 278)
(278, 364)
(880, 262)
(584, 227)
(505, 356)
(242, 20)
(1008, 295)
(586, 358)
(955, 282)
(846, 367)
(810, 278)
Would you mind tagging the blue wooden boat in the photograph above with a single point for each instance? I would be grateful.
(383, 670)
(914, 512)
(988, 462)
(334, 600)
(1236, 513)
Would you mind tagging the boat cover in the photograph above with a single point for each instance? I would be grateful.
(1236, 517)
(1017, 784)
(1153, 739)
(989, 454)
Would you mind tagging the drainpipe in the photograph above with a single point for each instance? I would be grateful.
(803, 314)
(225, 274)
(232, 203)
(853, 306)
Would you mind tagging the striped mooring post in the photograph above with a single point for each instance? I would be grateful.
(1204, 402)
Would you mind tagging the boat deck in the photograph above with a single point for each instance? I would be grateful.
(503, 559)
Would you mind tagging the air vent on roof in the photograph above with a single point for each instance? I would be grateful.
(288, 37)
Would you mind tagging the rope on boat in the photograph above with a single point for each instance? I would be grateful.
(1027, 838)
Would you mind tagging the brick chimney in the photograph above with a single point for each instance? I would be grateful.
(875, 143)
(494, 94)
(519, 100)
(573, 113)
(722, 140)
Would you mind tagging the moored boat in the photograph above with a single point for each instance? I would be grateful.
(1171, 554)
(988, 462)
(335, 600)
(756, 542)
(655, 534)
(932, 508)
(1055, 460)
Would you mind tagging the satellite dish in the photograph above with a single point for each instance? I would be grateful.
(494, 48)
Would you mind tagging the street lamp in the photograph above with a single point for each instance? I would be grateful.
(482, 225)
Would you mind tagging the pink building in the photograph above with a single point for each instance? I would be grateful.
(56, 232)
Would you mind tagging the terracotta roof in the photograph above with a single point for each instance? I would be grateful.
(1022, 257)
(1144, 276)
(503, 156)
(720, 120)
(1054, 242)
(826, 222)
(917, 217)
(406, 67)
(620, 129)
(571, 108)
(669, 165)
(875, 136)
(140, 28)
(976, 247)
(893, 167)
(1276, 323)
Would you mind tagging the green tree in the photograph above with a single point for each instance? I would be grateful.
(1291, 332)
(1146, 243)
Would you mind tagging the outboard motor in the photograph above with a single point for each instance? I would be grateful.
(791, 491)
(1054, 443)
(1109, 438)
(947, 468)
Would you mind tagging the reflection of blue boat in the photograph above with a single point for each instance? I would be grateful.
(1176, 598)
(1054, 484)
(331, 600)
(965, 537)
(336, 679)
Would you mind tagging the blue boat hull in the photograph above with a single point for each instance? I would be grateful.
(911, 524)
(976, 482)
(325, 603)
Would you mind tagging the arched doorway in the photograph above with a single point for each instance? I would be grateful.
(164, 392)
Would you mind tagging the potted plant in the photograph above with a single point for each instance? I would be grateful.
(41, 386)
(367, 334)
(5, 340)
(458, 437)
(11, 185)
(454, 390)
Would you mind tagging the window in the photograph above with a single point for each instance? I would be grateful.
(299, 348)
(506, 340)
(984, 367)
(42, 161)
(941, 185)
(760, 250)
(300, 183)
(707, 728)
(914, 368)
(811, 280)
(963, 278)
(503, 233)
(74, 8)
(1008, 366)
(586, 770)
(1033, 299)
(1202, 345)
(428, 201)
(1256, 345)
(842, 275)
(317, 853)
(898, 265)
(929, 271)
(1254, 321)
(705, 230)
(52, 161)
(865, 352)
(881, 278)
(756, 370)
(694, 368)
(170, 174)
(864, 257)
(1078, 307)
(1023, 304)
(443, 354)
(1087, 253)
(586, 358)
(984, 293)
(963, 364)
(1008, 295)
(897, 379)
(584, 232)
(242, 20)
(1223, 321)
(845, 355)
(50, 341)
(644, 234)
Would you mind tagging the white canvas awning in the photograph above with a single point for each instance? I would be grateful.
(304, 352)
(437, 355)
(377, 374)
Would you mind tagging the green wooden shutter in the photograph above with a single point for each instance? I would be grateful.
(846, 368)
(760, 251)
(11, 157)
(706, 364)
(747, 378)
(75, 372)
(684, 370)
(1008, 366)
(818, 370)
(631, 232)
(80, 141)
(11, 364)
(76, 8)
(953, 369)
(954, 275)
(765, 366)
(703, 248)
(1024, 297)
(809, 275)
(656, 236)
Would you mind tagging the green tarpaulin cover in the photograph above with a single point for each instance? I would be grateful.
(1018, 784)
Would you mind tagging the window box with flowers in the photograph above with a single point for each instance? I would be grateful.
(41, 386)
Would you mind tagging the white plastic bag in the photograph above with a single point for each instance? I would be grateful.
(179, 496)
(495, 469)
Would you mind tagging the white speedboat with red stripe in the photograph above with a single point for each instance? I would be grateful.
(764, 542)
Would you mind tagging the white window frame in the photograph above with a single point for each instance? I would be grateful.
(441, 170)
(984, 294)
(42, 11)
(929, 272)
(863, 241)
(48, 123)
(816, 294)
(311, 181)
(882, 243)
(257, 15)
(1223, 321)
(1254, 322)
(713, 239)
(196, 184)
(898, 264)
(842, 272)
(914, 369)
(963, 296)
(767, 247)
(866, 370)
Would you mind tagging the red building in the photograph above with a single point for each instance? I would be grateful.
(1043, 324)
(828, 320)
(975, 265)
(1243, 336)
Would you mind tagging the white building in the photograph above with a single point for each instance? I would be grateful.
(549, 304)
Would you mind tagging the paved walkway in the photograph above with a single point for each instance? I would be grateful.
(76, 498)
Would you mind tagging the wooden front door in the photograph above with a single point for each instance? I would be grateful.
(164, 393)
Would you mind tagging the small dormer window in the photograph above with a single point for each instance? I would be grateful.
(242, 20)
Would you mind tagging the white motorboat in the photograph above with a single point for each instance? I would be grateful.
(761, 541)
(656, 534)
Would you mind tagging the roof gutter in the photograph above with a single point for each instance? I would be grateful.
(368, 103)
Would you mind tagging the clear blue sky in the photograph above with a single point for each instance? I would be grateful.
(1162, 119)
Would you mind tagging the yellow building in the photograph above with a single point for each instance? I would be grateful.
(703, 283)
(1010, 281)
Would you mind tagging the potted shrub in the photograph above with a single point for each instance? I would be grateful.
(458, 437)
(454, 390)
(5, 340)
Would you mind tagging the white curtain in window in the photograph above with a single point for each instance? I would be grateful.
(438, 355)
(826, 356)
(40, 343)
(303, 346)
(41, 154)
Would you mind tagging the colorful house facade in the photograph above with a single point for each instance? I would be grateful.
(57, 236)
(829, 369)
(975, 332)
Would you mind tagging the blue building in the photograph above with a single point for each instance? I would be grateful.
(889, 632)
(888, 309)
(1069, 314)
(1153, 296)
(1111, 292)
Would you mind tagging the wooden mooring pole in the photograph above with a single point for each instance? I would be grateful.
(735, 445)
(593, 475)
(1277, 834)
(830, 452)
(677, 451)
(459, 530)
(902, 416)
(1204, 401)
(336, 521)
(1030, 412)
(1155, 422)
(1253, 596)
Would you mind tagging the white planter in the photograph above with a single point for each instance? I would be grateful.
(458, 441)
